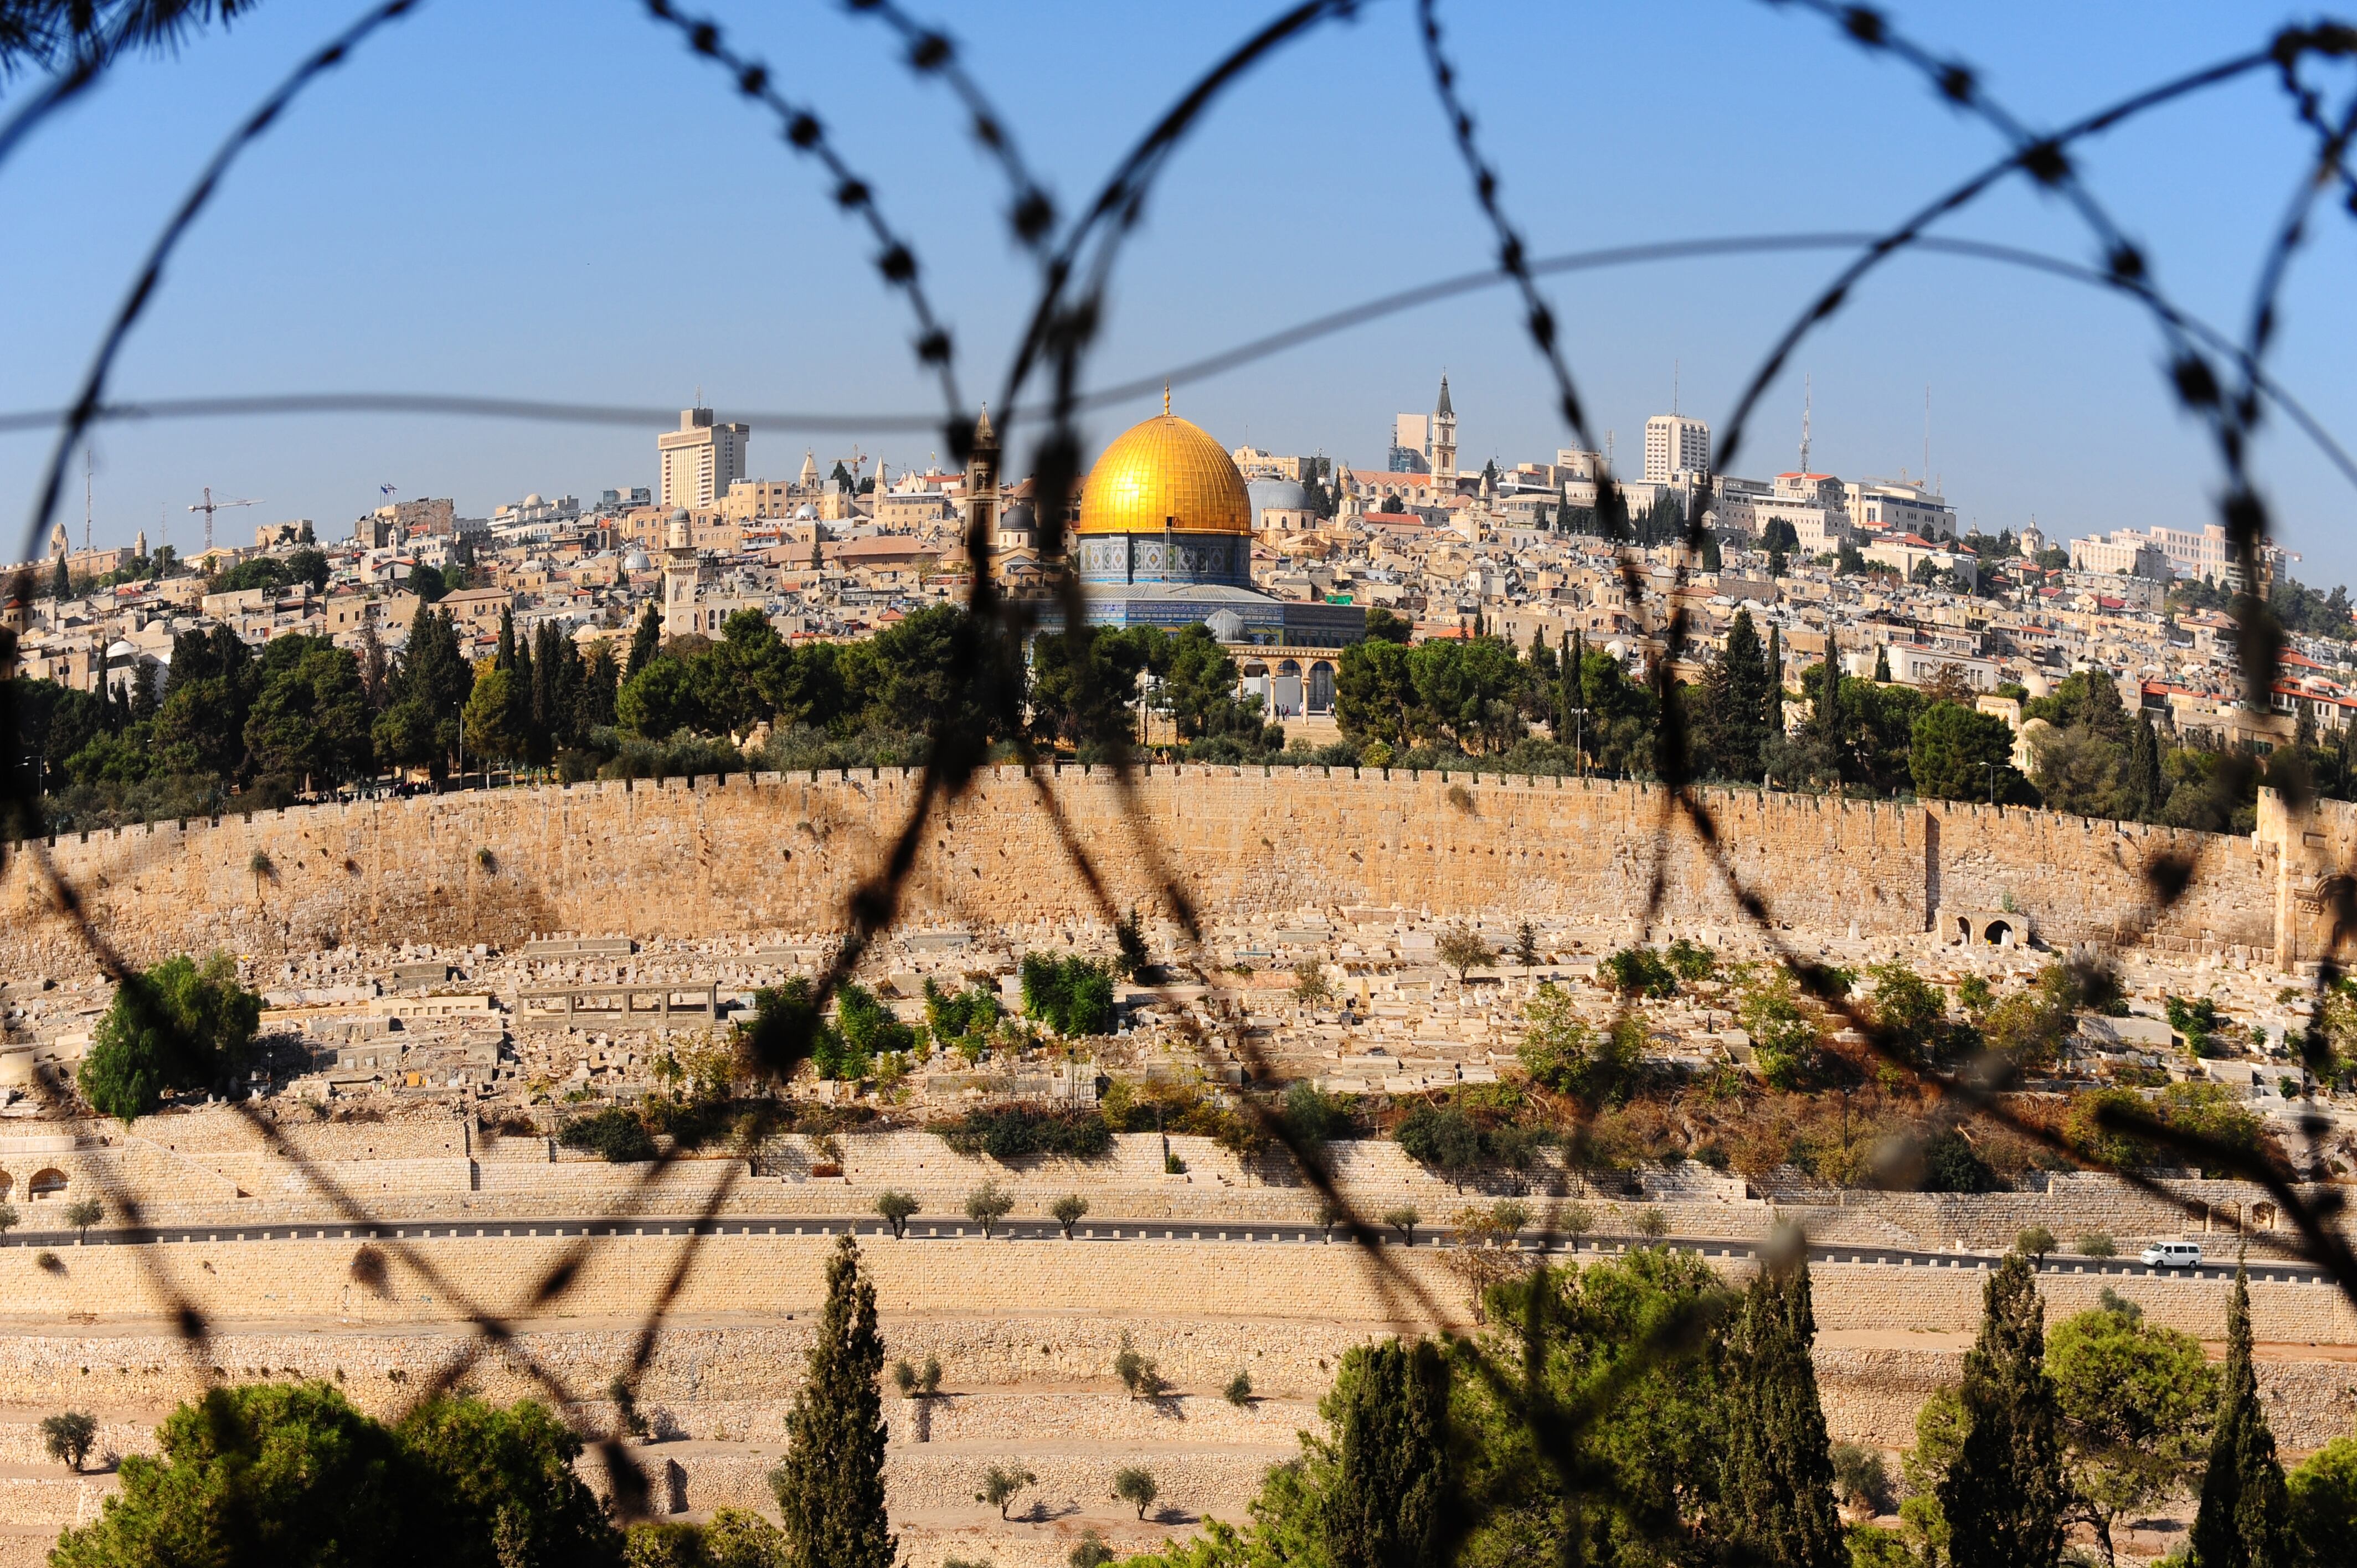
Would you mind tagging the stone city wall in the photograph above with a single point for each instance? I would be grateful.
(682, 859)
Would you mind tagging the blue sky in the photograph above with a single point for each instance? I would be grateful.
(536, 201)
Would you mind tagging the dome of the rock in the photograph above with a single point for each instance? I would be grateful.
(1165, 472)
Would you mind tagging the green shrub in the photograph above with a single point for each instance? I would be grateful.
(1690, 961)
(1639, 972)
(786, 1028)
(864, 1029)
(1011, 1133)
(2196, 1021)
(1951, 1164)
(954, 1016)
(616, 1135)
(1072, 996)
(175, 1028)
(1440, 1137)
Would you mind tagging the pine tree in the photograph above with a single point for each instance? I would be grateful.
(2004, 1495)
(644, 642)
(830, 1485)
(2245, 1517)
(1776, 1473)
(1386, 1505)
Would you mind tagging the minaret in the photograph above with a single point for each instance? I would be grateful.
(680, 572)
(1444, 435)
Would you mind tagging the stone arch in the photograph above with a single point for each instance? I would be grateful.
(1321, 687)
(8, 1185)
(1965, 930)
(47, 1183)
(2000, 934)
(2263, 1217)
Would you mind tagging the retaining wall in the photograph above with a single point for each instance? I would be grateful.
(689, 859)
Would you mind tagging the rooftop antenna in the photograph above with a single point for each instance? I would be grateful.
(1807, 397)
(1673, 389)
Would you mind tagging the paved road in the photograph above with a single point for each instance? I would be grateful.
(923, 1229)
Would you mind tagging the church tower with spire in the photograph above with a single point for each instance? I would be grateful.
(1444, 435)
(982, 482)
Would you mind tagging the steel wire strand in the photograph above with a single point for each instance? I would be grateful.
(1246, 353)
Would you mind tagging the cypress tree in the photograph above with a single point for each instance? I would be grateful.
(1827, 704)
(2004, 1495)
(548, 670)
(2143, 768)
(830, 1485)
(644, 642)
(506, 656)
(1735, 706)
(1882, 665)
(1386, 1505)
(1776, 1484)
(2245, 1517)
(61, 583)
(523, 680)
(1775, 681)
(1573, 722)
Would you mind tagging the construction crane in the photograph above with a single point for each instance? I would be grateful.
(209, 506)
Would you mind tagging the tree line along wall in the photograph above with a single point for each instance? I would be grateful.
(753, 854)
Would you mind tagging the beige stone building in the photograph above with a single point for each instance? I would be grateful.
(700, 460)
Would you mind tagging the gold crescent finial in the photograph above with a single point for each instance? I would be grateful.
(1166, 400)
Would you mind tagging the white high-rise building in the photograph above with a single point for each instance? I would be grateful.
(700, 459)
(1675, 444)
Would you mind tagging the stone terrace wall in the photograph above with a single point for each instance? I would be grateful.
(1132, 1280)
(747, 854)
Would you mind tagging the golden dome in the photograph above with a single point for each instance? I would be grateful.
(1165, 469)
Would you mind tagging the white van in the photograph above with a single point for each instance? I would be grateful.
(2173, 1256)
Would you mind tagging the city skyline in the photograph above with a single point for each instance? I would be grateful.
(2087, 444)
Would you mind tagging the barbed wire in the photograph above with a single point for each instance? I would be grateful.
(1076, 263)
(1249, 352)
